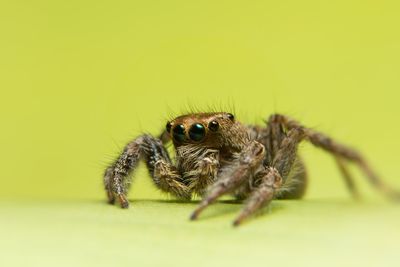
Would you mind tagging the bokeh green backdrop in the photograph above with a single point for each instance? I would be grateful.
(79, 79)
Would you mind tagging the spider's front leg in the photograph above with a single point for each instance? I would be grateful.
(232, 176)
(273, 177)
(163, 173)
(270, 182)
(250, 162)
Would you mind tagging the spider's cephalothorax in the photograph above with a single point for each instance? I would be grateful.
(216, 155)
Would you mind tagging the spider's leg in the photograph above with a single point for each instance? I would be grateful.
(272, 137)
(325, 142)
(262, 195)
(163, 173)
(272, 177)
(348, 178)
(233, 175)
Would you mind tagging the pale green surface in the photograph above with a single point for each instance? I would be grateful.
(153, 233)
(78, 79)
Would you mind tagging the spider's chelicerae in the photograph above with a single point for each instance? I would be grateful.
(217, 155)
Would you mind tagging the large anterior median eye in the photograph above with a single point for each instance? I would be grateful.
(197, 132)
(179, 133)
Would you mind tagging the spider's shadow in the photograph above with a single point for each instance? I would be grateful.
(234, 207)
(225, 201)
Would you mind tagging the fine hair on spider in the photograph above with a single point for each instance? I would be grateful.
(215, 154)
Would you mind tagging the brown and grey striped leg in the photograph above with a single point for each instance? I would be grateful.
(272, 177)
(233, 176)
(271, 137)
(348, 178)
(323, 141)
(163, 173)
(262, 195)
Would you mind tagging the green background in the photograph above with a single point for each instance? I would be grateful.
(79, 79)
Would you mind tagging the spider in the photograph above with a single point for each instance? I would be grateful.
(217, 155)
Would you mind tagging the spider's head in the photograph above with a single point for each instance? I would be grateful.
(201, 128)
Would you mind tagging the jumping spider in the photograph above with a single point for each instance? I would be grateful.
(216, 155)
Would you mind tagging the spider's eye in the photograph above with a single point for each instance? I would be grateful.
(213, 126)
(197, 132)
(179, 133)
(231, 117)
(168, 127)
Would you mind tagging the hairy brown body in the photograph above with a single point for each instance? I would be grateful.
(216, 155)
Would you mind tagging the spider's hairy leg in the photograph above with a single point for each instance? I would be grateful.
(272, 137)
(249, 160)
(163, 173)
(264, 193)
(325, 142)
(273, 177)
(348, 178)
